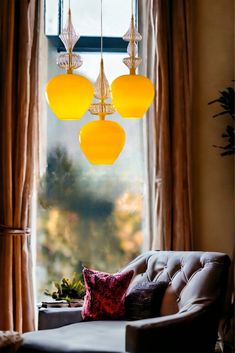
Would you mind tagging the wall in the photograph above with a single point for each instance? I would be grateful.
(213, 58)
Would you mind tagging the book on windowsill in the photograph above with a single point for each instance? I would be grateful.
(76, 303)
(55, 304)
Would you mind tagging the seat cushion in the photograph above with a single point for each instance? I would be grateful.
(92, 336)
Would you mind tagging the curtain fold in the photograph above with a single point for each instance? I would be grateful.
(147, 15)
(169, 121)
(19, 21)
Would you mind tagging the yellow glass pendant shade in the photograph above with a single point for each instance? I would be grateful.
(102, 141)
(69, 96)
(132, 95)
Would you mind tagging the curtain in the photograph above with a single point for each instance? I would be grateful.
(18, 152)
(166, 27)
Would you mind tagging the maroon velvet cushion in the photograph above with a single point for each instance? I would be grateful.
(105, 294)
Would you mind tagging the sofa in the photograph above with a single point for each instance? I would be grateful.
(189, 313)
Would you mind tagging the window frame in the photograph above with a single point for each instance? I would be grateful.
(89, 44)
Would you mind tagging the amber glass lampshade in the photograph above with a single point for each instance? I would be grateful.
(132, 95)
(69, 96)
(102, 141)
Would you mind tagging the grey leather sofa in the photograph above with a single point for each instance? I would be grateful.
(190, 311)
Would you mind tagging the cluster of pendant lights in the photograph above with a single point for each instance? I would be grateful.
(70, 96)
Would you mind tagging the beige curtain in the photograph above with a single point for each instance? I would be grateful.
(166, 27)
(18, 146)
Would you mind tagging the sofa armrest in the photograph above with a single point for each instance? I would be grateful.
(191, 331)
(49, 318)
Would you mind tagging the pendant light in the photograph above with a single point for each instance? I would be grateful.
(132, 94)
(69, 95)
(102, 140)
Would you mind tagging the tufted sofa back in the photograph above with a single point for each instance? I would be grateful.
(194, 277)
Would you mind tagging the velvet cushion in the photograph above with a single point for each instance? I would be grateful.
(144, 300)
(105, 294)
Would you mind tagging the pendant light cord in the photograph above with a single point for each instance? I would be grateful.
(69, 4)
(101, 28)
(132, 7)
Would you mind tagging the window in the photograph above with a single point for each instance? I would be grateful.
(89, 215)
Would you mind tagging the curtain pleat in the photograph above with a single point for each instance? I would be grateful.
(168, 122)
(147, 16)
(19, 21)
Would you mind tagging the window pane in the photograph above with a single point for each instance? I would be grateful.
(86, 16)
(90, 215)
(52, 17)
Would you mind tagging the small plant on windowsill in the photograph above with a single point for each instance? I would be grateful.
(71, 290)
(227, 100)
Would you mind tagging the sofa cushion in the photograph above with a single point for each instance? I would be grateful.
(84, 337)
(105, 294)
(144, 300)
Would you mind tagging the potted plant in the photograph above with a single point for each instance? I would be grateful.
(71, 290)
(226, 101)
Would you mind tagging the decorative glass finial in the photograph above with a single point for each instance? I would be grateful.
(101, 86)
(68, 36)
(69, 60)
(132, 36)
(102, 92)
